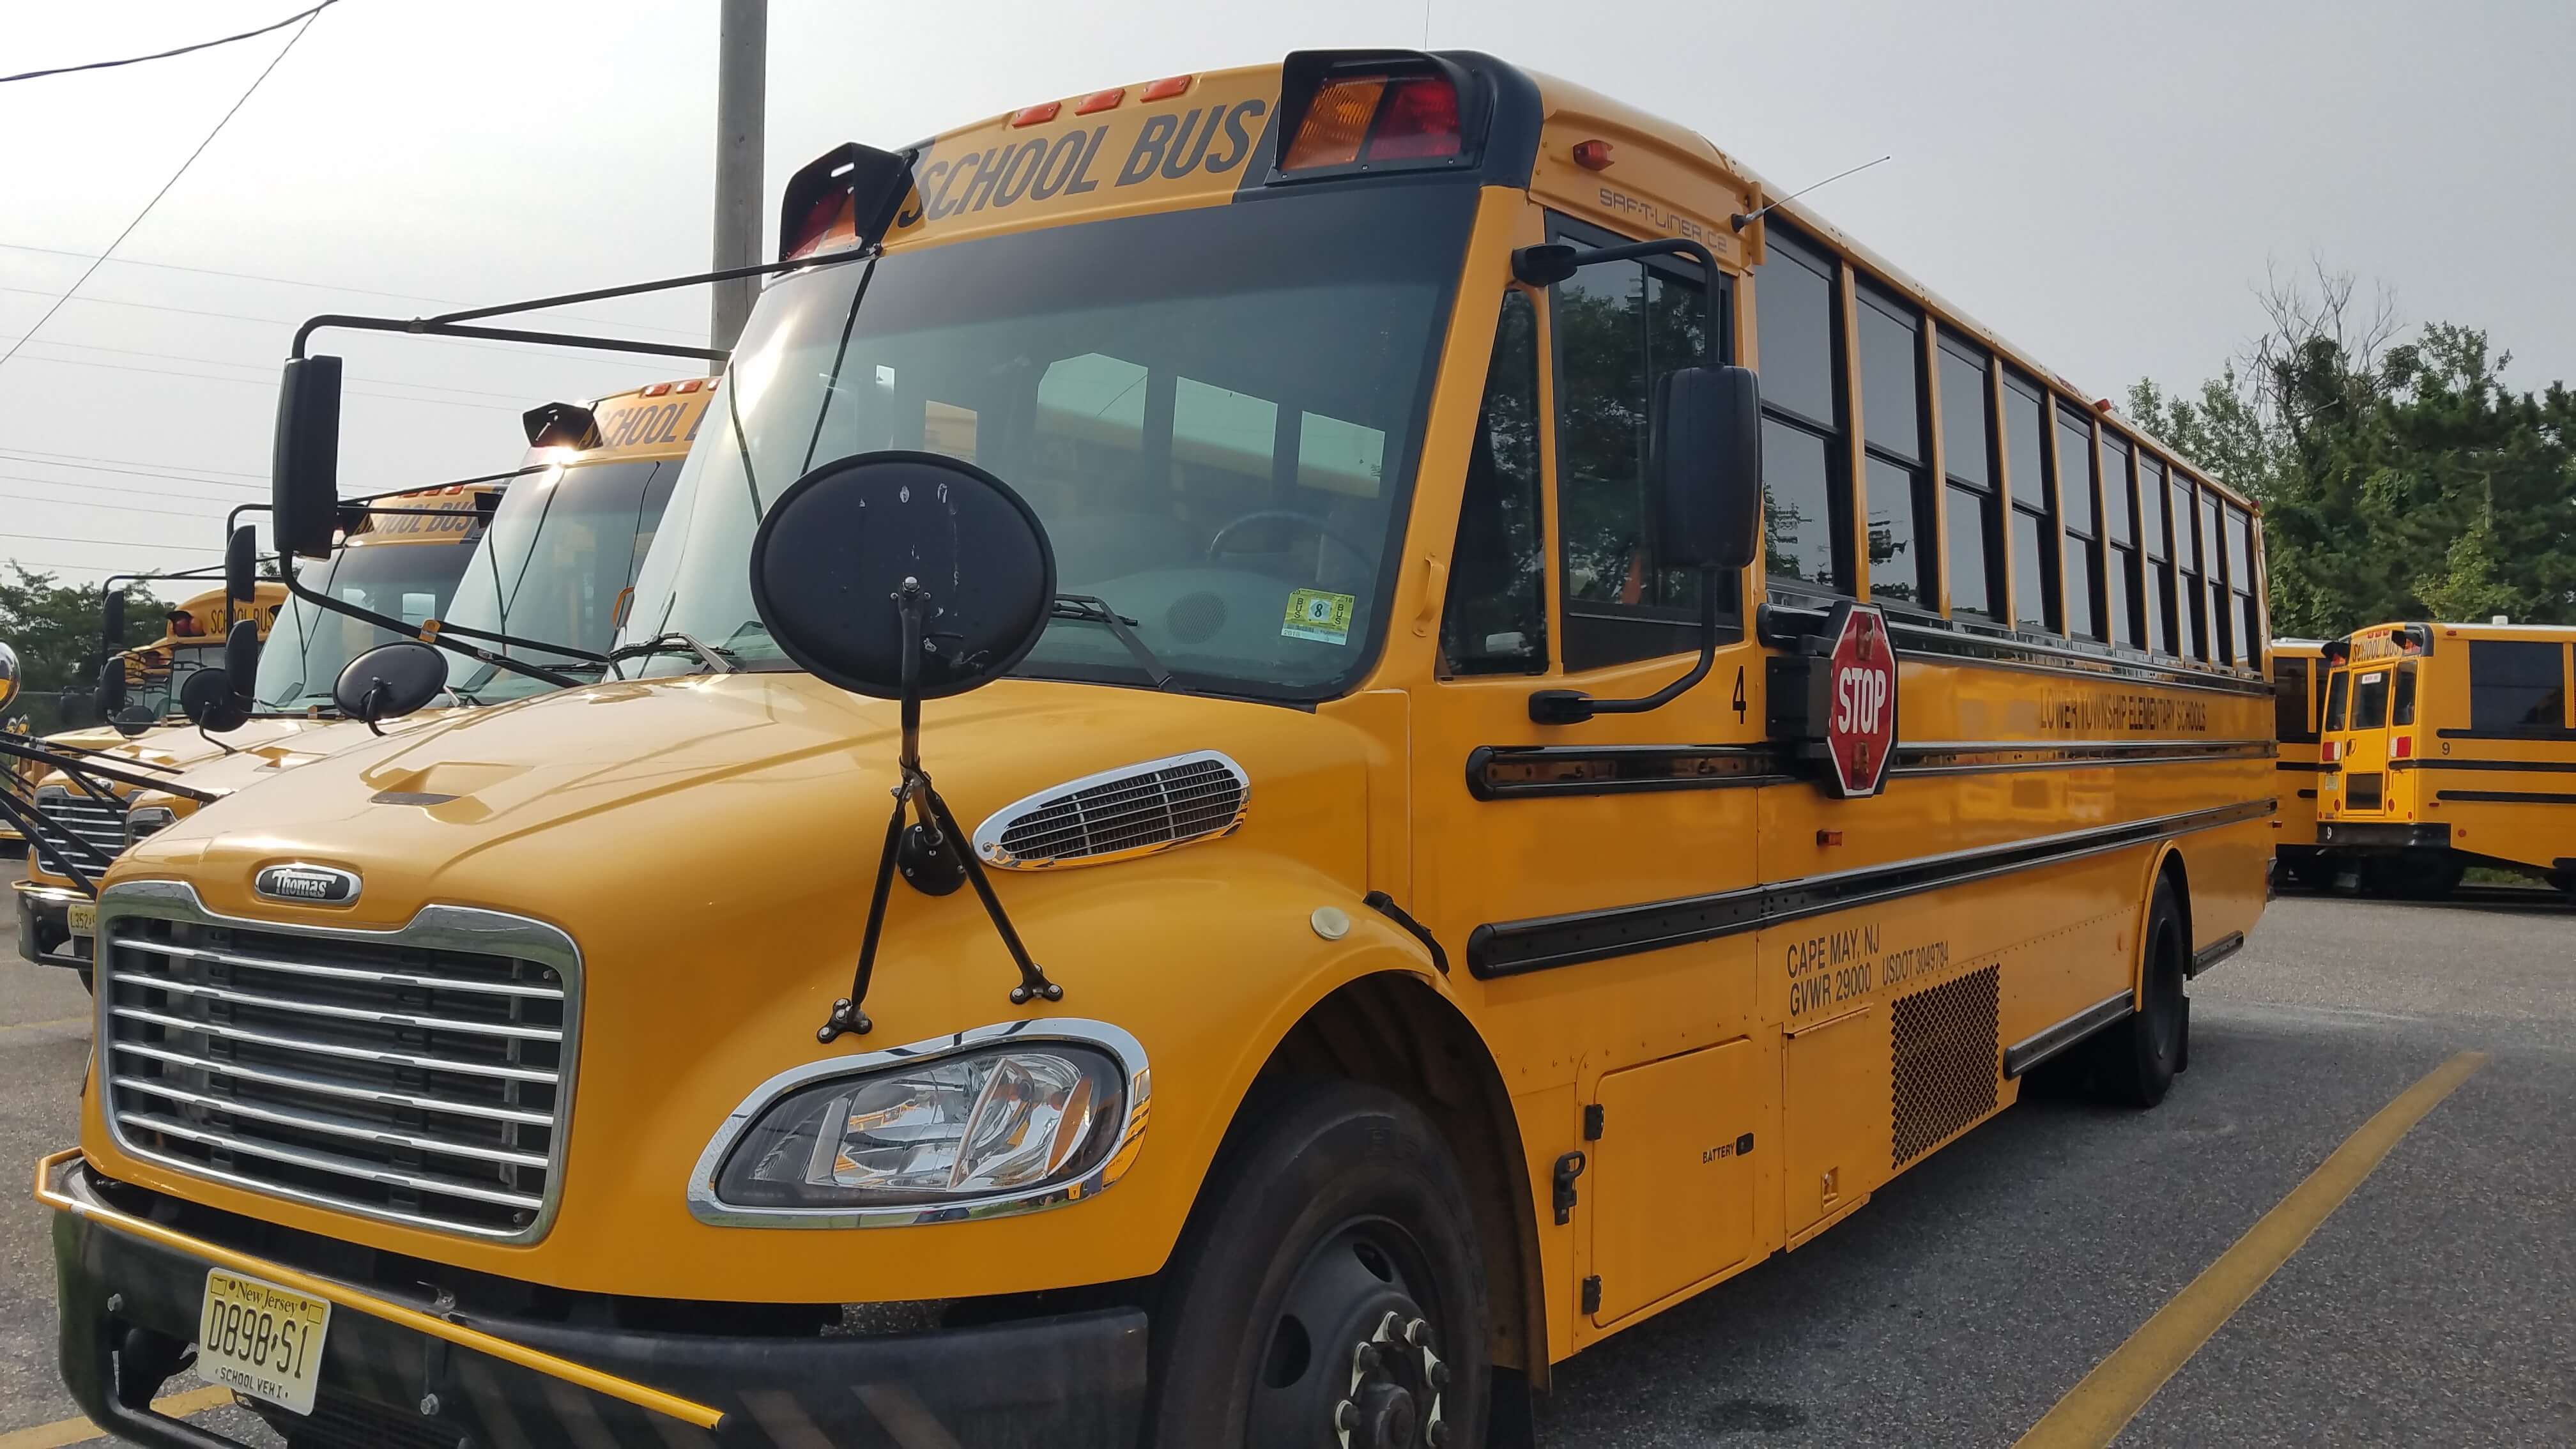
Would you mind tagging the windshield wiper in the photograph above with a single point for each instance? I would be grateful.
(721, 660)
(1091, 608)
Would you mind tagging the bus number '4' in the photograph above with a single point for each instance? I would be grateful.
(1739, 694)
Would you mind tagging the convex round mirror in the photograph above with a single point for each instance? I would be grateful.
(833, 554)
(8, 675)
(208, 700)
(390, 680)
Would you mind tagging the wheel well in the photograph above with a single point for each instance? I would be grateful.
(1394, 1031)
(2172, 868)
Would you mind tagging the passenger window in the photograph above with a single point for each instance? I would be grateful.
(2517, 684)
(1967, 446)
(2191, 616)
(1495, 618)
(1891, 411)
(1618, 327)
(2076, 512)
(2034, 578)
(1805, 484)
(2222, 640)
(2159, 592)
(2290, 702)
(2336, 688)
(2120, 585)
(2370, 701)
(2402, 712)
(2240, 580)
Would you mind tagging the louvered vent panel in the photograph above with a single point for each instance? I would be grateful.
(1144, 807)
(1944, 1061)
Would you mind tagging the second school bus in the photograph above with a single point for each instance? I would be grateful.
(2447, 746)
(1421, 1022)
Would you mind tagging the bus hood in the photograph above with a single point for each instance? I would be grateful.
(749, 790)
(285, 750)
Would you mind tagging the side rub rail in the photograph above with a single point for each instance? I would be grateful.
(1510, 948)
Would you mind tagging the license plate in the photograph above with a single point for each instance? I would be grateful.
(259, 1339)
(82, 917)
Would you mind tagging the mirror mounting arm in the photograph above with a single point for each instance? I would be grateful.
(1573, 706)
(432, 636)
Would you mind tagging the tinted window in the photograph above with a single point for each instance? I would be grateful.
(2079, 588)
(2023, 432)
(2115, 489)
(2240, 568)
(1618, 326)
(1895, 561)
(1964, 435)
(1794, 321)
(1971, 589)
(2403, 710)
(1495, 619)
(2336, 688)
(2290, 701)
(1891, 373)
(2370, 700)
(2516, 684)
(1797, 498)
(2151, 506)
(2075, 489)
(2031, 607)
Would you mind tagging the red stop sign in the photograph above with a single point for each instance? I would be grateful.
(1860, 701)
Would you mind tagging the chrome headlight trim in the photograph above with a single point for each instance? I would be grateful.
(456, 928)
(707, 1207)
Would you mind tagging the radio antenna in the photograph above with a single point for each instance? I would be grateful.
(1747, 219)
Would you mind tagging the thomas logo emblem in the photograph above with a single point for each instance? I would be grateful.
(307, 885)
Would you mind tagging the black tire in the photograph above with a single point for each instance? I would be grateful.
(1341, 1205)
(2134, 1061)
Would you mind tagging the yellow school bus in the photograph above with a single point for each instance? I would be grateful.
(2298, 702)
(2447, 746)
(1469, 885)
(551, 558)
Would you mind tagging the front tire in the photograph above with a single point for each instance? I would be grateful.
(2136, 1059)
(1329, 1246)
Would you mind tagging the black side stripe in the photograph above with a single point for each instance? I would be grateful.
(2507, 797)
(2039, 1046)
(2544, 767)
(2308, 766)
(2215, 952)
(1510, 948)
(1512, 772)
(2545, 733)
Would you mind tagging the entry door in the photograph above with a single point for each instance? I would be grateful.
(2364, 756)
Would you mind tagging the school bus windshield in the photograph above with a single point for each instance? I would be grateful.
(308, 648)
(559, 554)
(1213, 412)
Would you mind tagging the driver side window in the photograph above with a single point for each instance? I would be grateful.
(1495, 618)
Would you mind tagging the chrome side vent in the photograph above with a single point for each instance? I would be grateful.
(1119, 814)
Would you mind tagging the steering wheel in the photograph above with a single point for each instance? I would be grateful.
(1321, 529)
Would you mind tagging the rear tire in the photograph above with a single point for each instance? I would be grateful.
(2134, 1061)
(1333, 1224)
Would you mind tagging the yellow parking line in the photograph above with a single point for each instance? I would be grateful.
(81, 1431)
(2094, 1411)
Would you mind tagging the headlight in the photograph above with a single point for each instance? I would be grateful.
(1007, 1123)
(149, 820)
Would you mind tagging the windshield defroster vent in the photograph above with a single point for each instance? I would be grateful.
(1119, 814)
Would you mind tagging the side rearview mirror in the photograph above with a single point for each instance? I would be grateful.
(241, 655)
(241, 565)
(1704, 467)
(111, 686)
(389, 681)
(304, 477)
(8, 675)
(111, 623)
(208, 700)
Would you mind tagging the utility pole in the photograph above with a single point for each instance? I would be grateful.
(742, 84)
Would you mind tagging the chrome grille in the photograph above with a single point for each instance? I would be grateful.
(96, 823)
(1119, 813)
(420, 1076)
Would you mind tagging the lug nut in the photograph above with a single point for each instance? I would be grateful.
(1368, 1358)
(429, 1405)
(1346, 1416)
(116, 1303)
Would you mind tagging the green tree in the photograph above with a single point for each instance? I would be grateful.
(54, 628)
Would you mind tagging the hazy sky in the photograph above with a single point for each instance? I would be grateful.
(2103, 184)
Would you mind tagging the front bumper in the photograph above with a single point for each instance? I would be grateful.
(130, 1282)
(44, 927)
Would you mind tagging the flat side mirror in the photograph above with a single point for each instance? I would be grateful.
(390, 680)
(241, 657)
(111, 624)
(241, 565)
(208, 700)
(1704, 467)
(304, 475)
(111, 686)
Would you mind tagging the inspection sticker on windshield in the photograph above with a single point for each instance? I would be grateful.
(1317, 615)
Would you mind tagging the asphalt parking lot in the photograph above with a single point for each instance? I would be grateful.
(2436, 1304)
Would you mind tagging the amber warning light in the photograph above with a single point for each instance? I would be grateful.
(1347, 111)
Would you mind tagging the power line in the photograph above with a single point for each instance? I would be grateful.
(268, 370)
(92, 269)
(166, 54)
(321, 287)
(521, 348)
(88, 462)
(271, 383)
(195, 548)
(111, 507)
